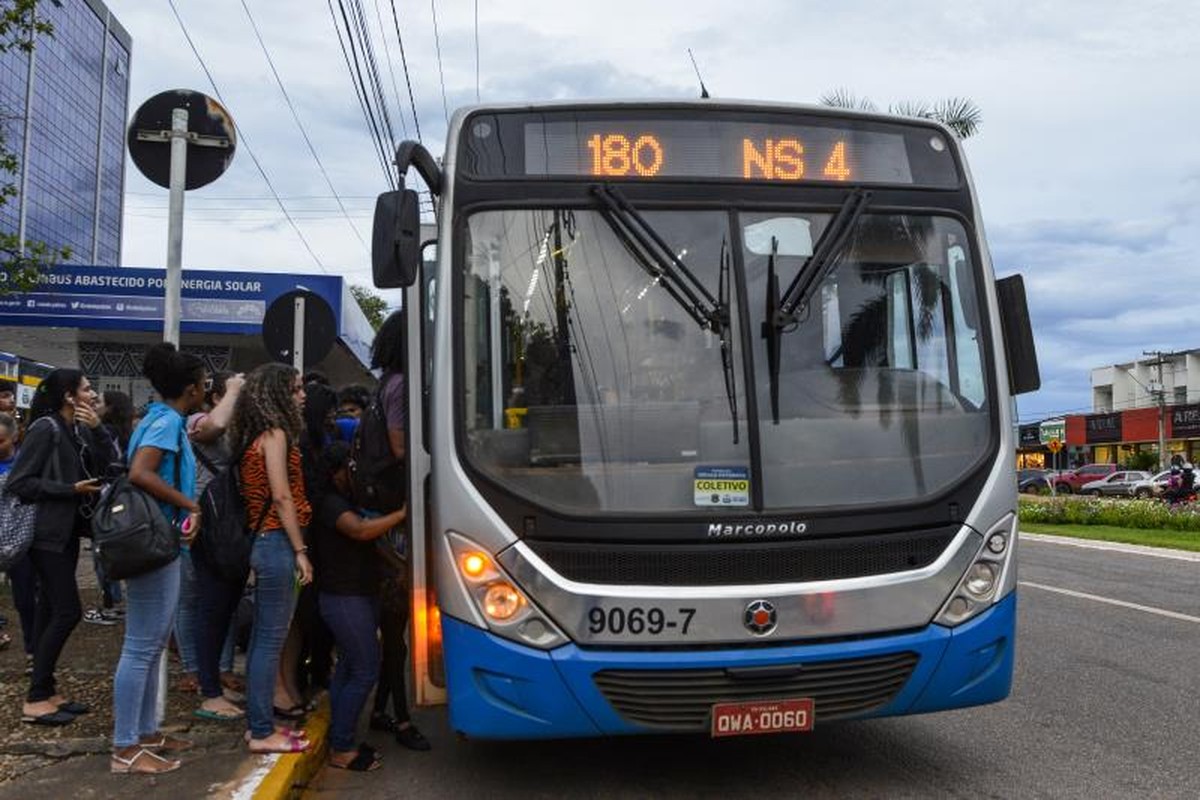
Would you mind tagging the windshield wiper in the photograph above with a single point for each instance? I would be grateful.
(655, 256)
(726, 341)
(783, 312)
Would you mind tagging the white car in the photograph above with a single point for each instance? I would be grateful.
(1118, 483)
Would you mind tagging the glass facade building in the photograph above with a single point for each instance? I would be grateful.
(63, 110)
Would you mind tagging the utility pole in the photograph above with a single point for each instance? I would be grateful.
(1160, 398)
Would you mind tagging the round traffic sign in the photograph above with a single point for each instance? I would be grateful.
(320, 327)
(212, 137)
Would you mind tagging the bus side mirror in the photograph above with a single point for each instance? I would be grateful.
(1023, 374)
(396, 239)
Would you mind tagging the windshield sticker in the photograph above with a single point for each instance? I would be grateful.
(722, 486)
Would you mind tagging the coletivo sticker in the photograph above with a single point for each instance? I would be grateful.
(721, 486)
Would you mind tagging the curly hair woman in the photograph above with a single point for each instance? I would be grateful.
(266, 428)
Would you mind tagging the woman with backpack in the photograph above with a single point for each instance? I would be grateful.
(161, 464)
(63, 452)
(205, 430)
(266, 430)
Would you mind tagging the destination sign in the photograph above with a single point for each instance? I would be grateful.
(649, 143)
(718, 149)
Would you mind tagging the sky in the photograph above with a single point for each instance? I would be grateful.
(1087, 164)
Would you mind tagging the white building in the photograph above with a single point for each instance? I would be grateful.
(1121, 387)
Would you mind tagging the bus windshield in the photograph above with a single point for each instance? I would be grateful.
(605, 370)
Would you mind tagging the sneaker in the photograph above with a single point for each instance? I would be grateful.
(113, 615)
(97, 617)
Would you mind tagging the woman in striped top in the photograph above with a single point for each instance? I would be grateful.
(266, 426)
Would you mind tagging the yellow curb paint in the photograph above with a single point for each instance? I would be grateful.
(291, 772)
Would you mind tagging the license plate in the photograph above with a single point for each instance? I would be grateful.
(762, 716)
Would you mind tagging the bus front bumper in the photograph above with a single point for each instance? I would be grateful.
(498, 689)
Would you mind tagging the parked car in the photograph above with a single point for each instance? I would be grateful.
(1073, 480)
(1152, 487)
(1118, 484)
(1034, 481)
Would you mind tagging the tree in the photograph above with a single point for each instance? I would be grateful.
(20, 261)
(959, 114)
(372, 305)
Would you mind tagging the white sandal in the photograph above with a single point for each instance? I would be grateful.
(128, 766)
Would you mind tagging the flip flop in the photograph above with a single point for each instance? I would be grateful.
(54, 719)
(71, 707)
(362, 762)
(293, 746)
(219, 716)
(293, 713)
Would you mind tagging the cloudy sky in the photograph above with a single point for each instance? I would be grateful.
(1087, 164)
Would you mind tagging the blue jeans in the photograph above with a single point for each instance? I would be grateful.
(187, 620)
(150, 603)
(185, 617)
(111, 590)
(274, 565)
(217, 601)
(354, 620)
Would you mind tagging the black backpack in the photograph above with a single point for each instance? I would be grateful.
(378, 478)
(130, 535)
(224, 542)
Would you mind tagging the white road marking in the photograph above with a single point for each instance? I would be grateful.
(1162, 612)
(1112, 547)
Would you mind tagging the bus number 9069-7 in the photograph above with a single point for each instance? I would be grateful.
(638, 621)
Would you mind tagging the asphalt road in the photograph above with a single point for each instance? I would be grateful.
(1105, 703)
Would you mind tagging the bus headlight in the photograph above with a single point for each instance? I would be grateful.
(984, 582)
(501, 601)
(505, 608)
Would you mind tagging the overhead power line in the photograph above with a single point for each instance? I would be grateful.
(354, 67)
(437, 41)
(387, 51)
(244, 142)
(407, 77)
(477, 96)
(296, 116)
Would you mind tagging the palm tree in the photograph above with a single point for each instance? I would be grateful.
(959, 114)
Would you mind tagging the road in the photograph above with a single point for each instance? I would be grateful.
(1105, 703)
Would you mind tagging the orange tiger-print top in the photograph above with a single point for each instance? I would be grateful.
(256, 489)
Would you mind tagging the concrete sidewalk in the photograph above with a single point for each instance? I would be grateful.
(215, 768)
(219, 767)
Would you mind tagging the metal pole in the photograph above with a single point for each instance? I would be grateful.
(298, 336)
(172, 305)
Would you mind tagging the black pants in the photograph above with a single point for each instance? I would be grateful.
(24, 591)
(315, 667)
(58, 612)
(393, 619)
(217, 603)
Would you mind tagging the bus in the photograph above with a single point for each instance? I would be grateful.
(710, 421)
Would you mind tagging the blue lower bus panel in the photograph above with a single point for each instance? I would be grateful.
(502, 690)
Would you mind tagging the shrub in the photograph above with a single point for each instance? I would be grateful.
(1144, 514)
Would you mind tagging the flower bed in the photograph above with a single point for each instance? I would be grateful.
(1143, 514)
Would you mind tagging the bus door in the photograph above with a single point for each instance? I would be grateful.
(425, 651)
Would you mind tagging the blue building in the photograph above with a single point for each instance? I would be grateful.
(63, 110)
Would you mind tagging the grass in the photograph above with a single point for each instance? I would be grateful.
(1179, 540)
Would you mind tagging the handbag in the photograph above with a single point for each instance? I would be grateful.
(18, 519)
(130, 535)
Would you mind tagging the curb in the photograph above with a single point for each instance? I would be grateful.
(283, 777)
